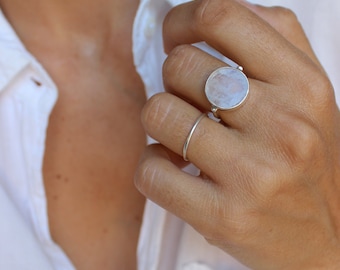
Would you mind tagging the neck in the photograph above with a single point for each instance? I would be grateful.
(69, 21)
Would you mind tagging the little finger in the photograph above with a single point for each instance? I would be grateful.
(173, 189)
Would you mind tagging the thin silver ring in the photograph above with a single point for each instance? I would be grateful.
(187, 141)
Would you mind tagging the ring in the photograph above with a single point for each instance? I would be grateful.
(226, 88)
(187, 141)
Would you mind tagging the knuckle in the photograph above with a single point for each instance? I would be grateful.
(145, 175)
(301, 141)
(267, 183)
(179, 62)
(320, 91)
(297, 137)
(284, 15)
(285, 20)
(306, 141)
(210, 13)
(155, 112)
(316, 93)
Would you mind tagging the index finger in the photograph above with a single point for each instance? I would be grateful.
(236, 32)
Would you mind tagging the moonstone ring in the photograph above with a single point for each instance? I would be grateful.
(226, 88)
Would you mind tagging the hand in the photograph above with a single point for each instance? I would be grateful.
(269, 189)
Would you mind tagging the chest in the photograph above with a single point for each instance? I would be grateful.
(96, 119)
(94, 141)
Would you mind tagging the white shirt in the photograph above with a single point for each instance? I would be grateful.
(27, 97)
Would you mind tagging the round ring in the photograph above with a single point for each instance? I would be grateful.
(187, 141)
(226, 88)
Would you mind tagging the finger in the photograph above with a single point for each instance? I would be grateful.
(286, 23)
(185, 73)
(177, 160)
(236, 32)
(169, 119)
(165, 184)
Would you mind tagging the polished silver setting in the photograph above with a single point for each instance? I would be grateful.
(187, 141)
(226, 89)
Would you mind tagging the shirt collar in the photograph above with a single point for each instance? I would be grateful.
(14, 57)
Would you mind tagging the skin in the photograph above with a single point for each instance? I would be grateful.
(268, 192)
(95, 136)
(93, 208)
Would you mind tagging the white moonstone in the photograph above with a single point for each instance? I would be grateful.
(227, 88)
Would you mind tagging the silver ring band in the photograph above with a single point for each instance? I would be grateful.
(187, 141)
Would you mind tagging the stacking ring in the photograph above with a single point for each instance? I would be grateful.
(226, 89)
(187, 141)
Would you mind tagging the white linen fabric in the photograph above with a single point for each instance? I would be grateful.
(27, 97)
